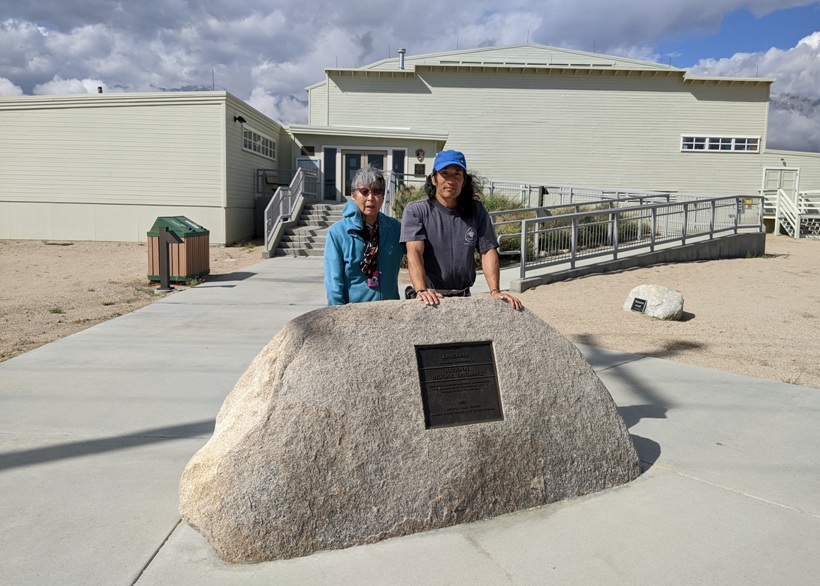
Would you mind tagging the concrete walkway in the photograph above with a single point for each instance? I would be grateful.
(95, 430)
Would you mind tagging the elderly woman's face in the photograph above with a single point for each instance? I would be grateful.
(369, 200)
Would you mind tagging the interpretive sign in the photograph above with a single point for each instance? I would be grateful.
(459, 384)
(639, 305)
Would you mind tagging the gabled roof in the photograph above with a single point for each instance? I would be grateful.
(527, 55)
(529, 58)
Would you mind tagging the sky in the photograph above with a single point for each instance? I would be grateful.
(266, 52)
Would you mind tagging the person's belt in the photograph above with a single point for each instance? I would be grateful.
(456, 292)
(410, 293)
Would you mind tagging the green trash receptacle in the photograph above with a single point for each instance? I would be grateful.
(191, 259)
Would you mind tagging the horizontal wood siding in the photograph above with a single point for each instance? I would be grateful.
(98, 222)
(317, 106)
(163, 154)
(588, 129)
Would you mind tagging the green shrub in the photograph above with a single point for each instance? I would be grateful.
(403, 197)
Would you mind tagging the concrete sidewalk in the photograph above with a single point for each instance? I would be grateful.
(95, 430)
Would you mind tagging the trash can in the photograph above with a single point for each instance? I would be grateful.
(188, 260)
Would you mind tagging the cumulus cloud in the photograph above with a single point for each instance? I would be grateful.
(8, 89)
(267, 51)
(59, 86)
(794, 109)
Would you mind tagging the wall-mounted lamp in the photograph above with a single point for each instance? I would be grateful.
(239, 119)
(782, 160)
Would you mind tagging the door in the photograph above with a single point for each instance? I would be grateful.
(785, 179)
(774, 178)
(355, 160)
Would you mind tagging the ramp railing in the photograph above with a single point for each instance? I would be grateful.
(611, 230)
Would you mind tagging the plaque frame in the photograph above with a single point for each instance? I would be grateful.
(459, 383)
(638, 305)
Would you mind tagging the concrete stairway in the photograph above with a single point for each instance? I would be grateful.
(307, 238)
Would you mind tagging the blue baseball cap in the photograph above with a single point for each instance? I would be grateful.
(447, 158)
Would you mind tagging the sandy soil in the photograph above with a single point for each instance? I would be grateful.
(756, 316)
(53, 289)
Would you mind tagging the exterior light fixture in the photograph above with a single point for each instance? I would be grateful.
(239, 119)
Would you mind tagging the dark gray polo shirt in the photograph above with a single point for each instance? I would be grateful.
(449, 241)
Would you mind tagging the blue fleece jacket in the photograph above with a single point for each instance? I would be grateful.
(344, 250)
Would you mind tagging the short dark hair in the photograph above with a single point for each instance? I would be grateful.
(465, 200)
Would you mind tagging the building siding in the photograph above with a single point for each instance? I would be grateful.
(105, 166)
(108, 154)
(608, 128)
(317, 106)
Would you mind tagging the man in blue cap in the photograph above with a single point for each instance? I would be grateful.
(443, 233)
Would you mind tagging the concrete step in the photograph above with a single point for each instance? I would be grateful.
(318, 219)
(308, 237)
(314, 223)
(302, 245)
(297, 238)
(308, 230)
(299, 252)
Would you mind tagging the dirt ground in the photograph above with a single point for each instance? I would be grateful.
(757, 316)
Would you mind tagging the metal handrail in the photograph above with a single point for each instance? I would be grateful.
(560, 194)
(569, 238)
(280, 207)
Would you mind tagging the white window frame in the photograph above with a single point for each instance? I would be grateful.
(714, 143)
(258, 143)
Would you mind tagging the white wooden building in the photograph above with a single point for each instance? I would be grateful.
(545, 115)
(105, 166)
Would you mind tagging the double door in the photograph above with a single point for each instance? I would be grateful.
(355, 160)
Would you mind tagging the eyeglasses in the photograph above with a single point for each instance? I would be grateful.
(365, 192)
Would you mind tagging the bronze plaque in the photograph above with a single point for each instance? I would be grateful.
(458, 384)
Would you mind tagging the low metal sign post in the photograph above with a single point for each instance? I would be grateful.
(166, 238)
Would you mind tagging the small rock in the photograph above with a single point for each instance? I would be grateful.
(660, 302)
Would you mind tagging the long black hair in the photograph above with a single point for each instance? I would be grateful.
(464, 202)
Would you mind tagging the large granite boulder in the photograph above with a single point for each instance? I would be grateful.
(323, 443)
(655, 301)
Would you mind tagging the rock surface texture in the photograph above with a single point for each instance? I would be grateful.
(322, 443)
(661, 302)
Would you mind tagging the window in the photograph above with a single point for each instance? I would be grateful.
(720, 143)
(258, 143)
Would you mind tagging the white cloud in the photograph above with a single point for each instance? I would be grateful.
(794, 131)
(8, 89)
(59, 86)
(794, 116)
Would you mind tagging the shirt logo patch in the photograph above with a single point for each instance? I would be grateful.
(470, 236)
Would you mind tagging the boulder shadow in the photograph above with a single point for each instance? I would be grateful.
(648, 450)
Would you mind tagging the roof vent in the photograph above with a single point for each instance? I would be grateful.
(401, 58)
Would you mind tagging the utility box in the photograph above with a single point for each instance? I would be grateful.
(190, 259)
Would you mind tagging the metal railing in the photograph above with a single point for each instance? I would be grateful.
(305, 183)
(549, 194)
(395, 183)
(504, 219)
(614, 230)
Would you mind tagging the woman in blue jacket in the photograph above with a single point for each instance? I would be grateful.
(362, 250)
